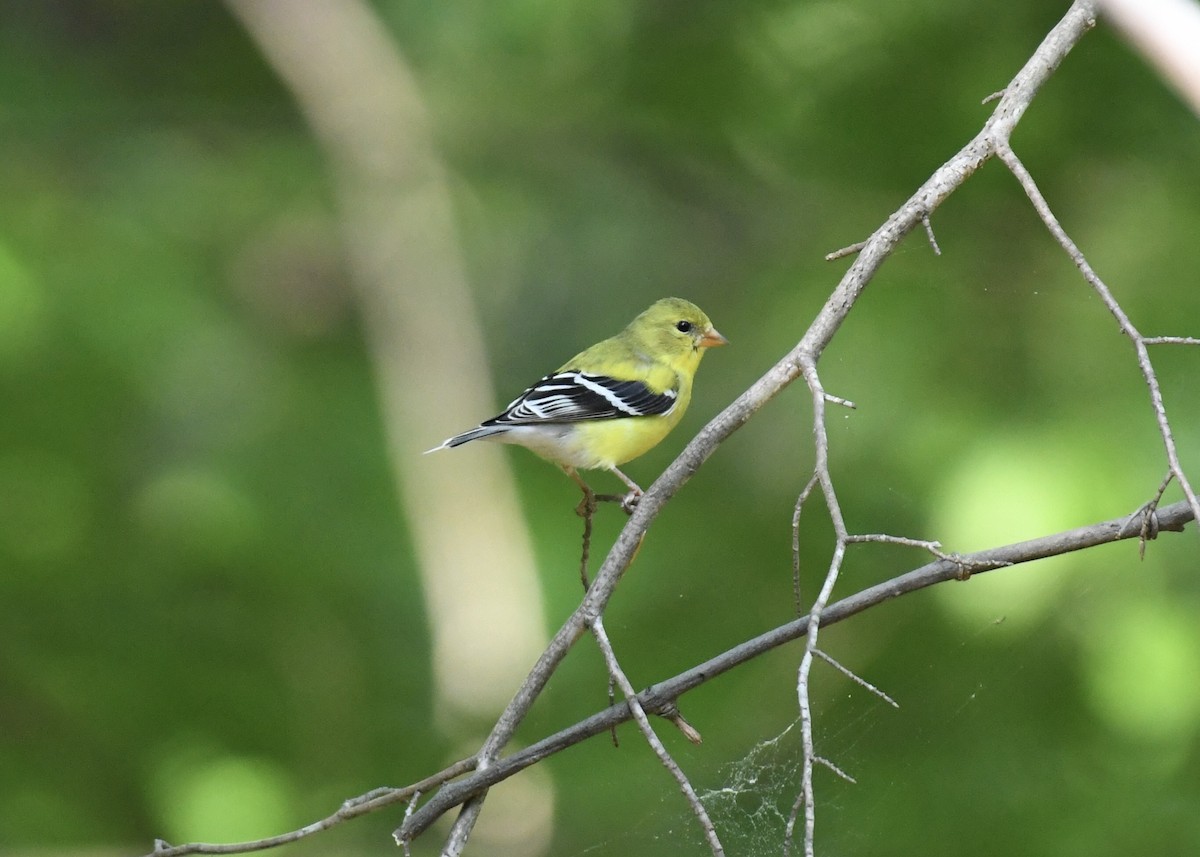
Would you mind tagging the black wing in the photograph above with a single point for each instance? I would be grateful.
(570, 397)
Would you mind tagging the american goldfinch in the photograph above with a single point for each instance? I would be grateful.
(611, 402)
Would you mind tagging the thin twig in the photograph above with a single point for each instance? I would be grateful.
(937, 251)
(825, 480)
(789, 831)
(670, 712)
(800, 501)
(935, 548)
(350, 808)
(821, 760)
(643, 722)
(612, 697)
(586, 510)
(408, 811)
(1171, 340)
(848, 250)
(854, 677)
(838, 400)
(1026, 180)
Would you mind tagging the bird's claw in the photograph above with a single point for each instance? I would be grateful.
(629, 501)
(587, 506)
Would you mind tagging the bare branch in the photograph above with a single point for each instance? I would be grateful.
(1171, 340)
(825, 480)
(1172, 518)
(1010, 159)
(643, 722)
(660, 697)
(825, 763)
(935, 548)
(408, 811)
(800, 501)
(350, 808)
(855, 677)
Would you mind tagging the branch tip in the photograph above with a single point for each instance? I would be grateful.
(937, 251)
(821, 760)
(854, 677)
(1171, 340)
(838, 400)
(848, 250)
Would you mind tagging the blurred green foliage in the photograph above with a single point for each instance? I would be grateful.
(210, 623)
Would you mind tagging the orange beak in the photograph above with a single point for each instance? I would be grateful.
(711, 339)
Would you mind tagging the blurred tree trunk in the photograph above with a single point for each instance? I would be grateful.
(477, 565)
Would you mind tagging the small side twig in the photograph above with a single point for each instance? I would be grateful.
(838, 400)
(669, 711)
(350, 808)
(937, 251)
(1171, 340)
(408, 811)
(855, 677)
(966, 566)
(848, 250)
(821, 760)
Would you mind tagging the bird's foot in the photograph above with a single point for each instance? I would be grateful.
(629, 501)
(587, 505)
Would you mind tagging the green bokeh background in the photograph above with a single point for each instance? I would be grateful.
(210, 621)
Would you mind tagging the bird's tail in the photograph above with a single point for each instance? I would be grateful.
(467, 436)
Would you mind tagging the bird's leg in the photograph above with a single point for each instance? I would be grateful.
(585, 509)
(587, 506)
(635, 492)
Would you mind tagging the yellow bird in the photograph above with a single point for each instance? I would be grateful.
(612, 402)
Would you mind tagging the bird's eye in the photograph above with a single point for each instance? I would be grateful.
(683, 326)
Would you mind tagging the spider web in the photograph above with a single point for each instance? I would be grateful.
(751, 798)
(759, 791)
(752, 807)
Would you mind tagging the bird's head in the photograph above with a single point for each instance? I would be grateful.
(673, 325)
